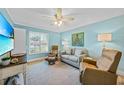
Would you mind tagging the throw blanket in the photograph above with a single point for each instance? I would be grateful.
(15, 80)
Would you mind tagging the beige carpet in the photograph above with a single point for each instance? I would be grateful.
(41, 73)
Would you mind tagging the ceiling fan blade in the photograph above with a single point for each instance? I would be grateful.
(68, 18)
(65, 23)
(46, 16)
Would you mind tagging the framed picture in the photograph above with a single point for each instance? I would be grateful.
(78, 39)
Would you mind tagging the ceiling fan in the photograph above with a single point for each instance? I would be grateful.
(58, 18)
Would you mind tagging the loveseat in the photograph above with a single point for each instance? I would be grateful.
(73, 56)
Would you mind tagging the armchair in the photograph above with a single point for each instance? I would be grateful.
(54, 51)
(101, 71)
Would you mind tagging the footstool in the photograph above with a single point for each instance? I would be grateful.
(51, 60)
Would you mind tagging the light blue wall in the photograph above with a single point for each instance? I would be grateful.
(54, 39)
(113, 25)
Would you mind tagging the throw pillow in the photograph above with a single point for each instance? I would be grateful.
(73, 51)
(78, 52)
(68, 51)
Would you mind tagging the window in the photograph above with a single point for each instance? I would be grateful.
(65, 43)
(38, 42)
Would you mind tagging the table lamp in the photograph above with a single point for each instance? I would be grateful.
(104, 37)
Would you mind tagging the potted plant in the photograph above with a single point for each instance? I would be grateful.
(6, 61)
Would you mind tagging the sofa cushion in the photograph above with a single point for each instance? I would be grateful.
(73, 51)
(65, 56)
(68, 51)
(109, 53)
(73, 58)
(106, 60)
(103, 63)
(78, 51)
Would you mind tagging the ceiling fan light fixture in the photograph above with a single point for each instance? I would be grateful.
(60, 22)
(59, 25)
(55, 22)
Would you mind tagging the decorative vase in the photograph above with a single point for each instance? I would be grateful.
(5, 63)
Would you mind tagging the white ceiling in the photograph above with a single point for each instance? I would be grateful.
(36, 17)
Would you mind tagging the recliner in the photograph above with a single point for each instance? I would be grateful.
(103, 70)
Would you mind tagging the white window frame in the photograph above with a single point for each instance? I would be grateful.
(38, 43)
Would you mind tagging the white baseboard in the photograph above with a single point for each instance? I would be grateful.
(36, 59)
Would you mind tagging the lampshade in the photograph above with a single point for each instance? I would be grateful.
(104, 37)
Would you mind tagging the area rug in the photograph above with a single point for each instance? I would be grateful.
(59, 74)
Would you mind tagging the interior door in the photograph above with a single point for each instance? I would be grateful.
(19, 41)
